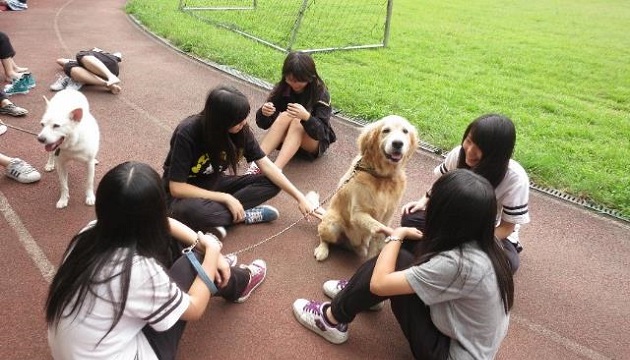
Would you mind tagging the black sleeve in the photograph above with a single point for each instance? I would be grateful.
(318, 125)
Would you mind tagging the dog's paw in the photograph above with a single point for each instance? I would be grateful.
(90, 200)
(62, 203)
(49, 167)
(321, 252)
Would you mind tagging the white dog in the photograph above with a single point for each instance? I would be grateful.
(371, 189)
(70, 132)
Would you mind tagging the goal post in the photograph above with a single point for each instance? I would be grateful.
(304, 25)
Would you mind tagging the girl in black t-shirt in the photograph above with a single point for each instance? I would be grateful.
(201, 193)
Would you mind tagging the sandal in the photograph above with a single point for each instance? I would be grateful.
(13, 110)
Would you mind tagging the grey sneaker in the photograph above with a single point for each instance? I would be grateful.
(257, 274)
(261, 214)
(13, 110)
(332, 287)
(74, 85)
(311, 315)
(60, 82)
(22, 171)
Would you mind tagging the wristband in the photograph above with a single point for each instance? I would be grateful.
(392, 238)
(202, 274)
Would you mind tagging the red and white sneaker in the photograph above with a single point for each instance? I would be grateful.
(257, 274)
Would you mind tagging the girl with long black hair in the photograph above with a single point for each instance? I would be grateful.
(452, 298)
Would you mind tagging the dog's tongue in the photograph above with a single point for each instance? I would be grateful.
(53, 146)
(396, 156)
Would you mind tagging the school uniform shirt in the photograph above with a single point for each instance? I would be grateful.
(466, 307)
(317, 126)
(512, 193)
(188, 160)
(153, 299)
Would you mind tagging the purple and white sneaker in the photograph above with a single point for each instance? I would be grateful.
(310, 313)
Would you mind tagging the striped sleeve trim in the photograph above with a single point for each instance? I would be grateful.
(516, 210)
(167, 308)
(443, 169)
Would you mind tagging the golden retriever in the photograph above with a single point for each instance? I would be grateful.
(371, 189)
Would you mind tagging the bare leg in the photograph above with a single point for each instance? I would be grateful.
(9, 73)
(17, 68)
(295, 139)
(276, 134)
(84, 76)
(5, 160)
(97, 67)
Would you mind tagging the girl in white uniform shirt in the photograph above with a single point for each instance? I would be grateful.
(112, 297)
(487, 147)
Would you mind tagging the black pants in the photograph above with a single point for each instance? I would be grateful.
(6, 49)
(203, 215)
(417, 220)
(413, 316)
(165, 343)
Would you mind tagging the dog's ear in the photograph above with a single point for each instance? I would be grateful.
(76, 114)
(368, 137)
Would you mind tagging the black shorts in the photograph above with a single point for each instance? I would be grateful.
(110, 61)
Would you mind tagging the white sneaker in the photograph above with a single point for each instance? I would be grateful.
(218, 231)
(22, 171)
(60, 83)
(74, 85)
(311, 315)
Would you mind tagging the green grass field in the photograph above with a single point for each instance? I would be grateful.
(560, 69)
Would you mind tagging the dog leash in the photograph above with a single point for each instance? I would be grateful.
(17, 128)
(326, 199)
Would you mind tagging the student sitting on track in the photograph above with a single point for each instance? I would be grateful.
(296, 114)
(487, 147)
(451, 298)
(204, 148)
(112, 297)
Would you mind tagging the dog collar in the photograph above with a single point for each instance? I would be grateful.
(371, 171)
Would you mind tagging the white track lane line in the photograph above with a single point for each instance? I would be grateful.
(30, 245)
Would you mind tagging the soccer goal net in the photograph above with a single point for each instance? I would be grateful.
(305, 25)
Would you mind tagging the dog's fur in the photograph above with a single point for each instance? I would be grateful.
(371, 189)
(70, 132)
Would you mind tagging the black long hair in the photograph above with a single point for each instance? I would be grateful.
(462, 208)
(495, 135)
(225, 107)
(302, 67)
(131, 219)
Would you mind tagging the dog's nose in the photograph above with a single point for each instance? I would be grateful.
(397, 144)
(41, 139)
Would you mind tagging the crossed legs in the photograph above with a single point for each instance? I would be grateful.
(93, 72)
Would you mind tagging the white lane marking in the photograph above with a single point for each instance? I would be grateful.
(559, 339)
(30, 245)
